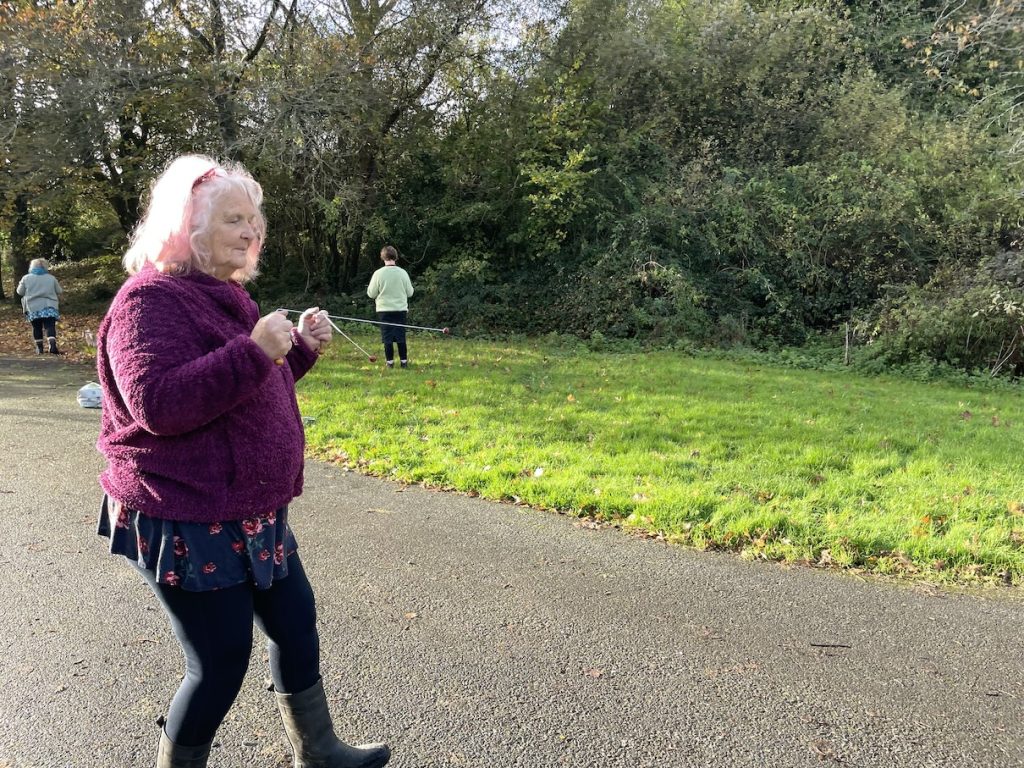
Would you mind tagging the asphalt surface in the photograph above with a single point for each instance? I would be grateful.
(469, 633)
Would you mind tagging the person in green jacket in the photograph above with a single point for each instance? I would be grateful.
(390, 287)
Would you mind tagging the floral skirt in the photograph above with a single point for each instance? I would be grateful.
(41, 314)
(200, 557)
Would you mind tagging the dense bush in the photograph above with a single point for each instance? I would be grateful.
(728, 173)
(657, 195)
(969, 319)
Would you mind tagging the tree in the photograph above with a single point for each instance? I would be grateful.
(357, 82)
(223, 55)
(977, 50)
(94, 95)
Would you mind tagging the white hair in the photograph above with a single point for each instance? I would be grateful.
(171, 235)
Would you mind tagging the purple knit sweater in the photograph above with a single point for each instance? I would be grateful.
(198, 425)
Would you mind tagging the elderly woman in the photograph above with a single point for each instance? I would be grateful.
(40, 298)
(204, 446)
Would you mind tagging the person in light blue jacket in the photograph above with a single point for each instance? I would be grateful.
(40, 298)
(390, 287)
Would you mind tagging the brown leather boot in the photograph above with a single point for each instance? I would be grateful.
(307, 722)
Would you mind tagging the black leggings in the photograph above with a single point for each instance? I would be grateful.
(215, 633)
(44, 324)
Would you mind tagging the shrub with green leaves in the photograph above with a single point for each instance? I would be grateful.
(967, 319)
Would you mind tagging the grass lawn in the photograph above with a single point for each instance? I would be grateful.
(867, 473)
(880, 474)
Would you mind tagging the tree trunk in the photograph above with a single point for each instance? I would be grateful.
(353, 251)
(127, 210)
(227, 122)
(369, 175)
(19, 234)
(332, 266)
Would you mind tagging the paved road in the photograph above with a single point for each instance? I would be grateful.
(468, 633)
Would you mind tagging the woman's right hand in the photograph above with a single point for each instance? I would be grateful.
(273, 333)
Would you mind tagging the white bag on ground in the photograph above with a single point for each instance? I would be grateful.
(91, 395)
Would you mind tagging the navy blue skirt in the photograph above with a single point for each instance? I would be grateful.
(200, 557)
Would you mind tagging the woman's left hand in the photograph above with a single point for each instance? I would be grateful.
(315, 329)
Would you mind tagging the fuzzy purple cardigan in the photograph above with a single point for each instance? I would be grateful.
(198, 425)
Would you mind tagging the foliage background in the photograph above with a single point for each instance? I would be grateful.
(660, 171)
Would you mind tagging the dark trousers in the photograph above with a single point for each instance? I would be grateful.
(44, 326)
(214, 630)
(391, 335)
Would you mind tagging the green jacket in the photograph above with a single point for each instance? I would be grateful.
(391, 288)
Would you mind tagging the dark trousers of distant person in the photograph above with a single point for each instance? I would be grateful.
(45, 327)
(392, 335)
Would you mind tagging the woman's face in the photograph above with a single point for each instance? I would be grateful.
(232, 230)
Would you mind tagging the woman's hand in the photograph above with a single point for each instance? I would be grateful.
(273, 333)
(315, 329)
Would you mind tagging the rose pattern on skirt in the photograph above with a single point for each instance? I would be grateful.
(201, 556)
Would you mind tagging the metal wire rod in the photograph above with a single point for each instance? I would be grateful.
(445, 331)
(372, 358)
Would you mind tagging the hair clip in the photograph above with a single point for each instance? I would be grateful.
(205, 177)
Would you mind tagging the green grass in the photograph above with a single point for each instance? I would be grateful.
(872, 473)
(802, 466)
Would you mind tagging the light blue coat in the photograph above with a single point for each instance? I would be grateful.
(39, 292)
